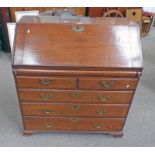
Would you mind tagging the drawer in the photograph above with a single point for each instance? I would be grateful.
(73, 124)
(67, 96)
(108, 83)
(58, 109)
(46, 82)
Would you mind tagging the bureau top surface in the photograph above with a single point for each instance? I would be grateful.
(77, 42)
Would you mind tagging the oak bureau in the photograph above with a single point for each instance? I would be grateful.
(76, 74)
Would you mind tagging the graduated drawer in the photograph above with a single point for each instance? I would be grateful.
(68, 96)
(46, 82)
(73, 124)
(58, 109)
(108, 83)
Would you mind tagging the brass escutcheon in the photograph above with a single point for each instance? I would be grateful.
(101, 112)
(75, 94)
(107, 84)
(103, 98)
(98, 126)
(47, 111)
(46, 125)
(46, 82)
(75, 107)
(74, 120)
(46, 97)
(78, 28)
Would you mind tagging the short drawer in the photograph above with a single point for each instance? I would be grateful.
(68, 96)
(46, 82)
(73, 124)
(108, 83)
(58, 109)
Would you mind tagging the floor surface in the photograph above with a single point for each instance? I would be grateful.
(139, 129)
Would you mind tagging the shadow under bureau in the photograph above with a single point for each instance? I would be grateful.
(76, 74)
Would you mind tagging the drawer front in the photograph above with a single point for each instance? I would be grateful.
(108, 83)
(46, 82)
(67, 96)
(58, 109)
(73, 124)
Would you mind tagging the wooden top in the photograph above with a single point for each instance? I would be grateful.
(103, 43)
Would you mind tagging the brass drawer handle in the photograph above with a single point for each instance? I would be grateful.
(46, 82)
(78, 28)
(107, 84)
(46, 125)
(46, 97)
(103, 99)
(101, 112)
(74, 120)
(98, 126)
(75, 94)
(75, 107)
(48, 111)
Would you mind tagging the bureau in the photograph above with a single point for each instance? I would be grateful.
(76, 74)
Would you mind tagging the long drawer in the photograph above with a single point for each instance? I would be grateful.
(46, 82)
(59, 109)
(67, 96)
(108, 83)
(74, 124)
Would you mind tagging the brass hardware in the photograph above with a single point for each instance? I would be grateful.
(47, 111)
(101, 112)
(75, 107)
(78, 28)
(48, 125)
(98, 126)
(128, 86)
(46, 82)
(28, 31)
(74, 120)
(65, 9)
(46, 97)
(103, 99)
(107, 84)
(75, 94)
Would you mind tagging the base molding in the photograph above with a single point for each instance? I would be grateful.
(31, 132)
(117, 134)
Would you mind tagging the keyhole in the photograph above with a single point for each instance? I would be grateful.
(134, 13)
